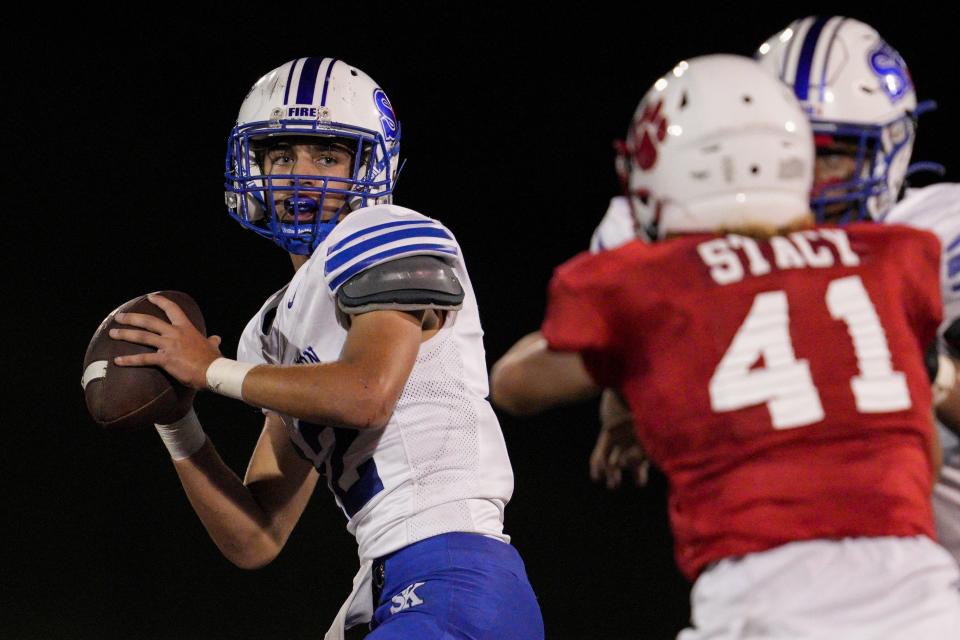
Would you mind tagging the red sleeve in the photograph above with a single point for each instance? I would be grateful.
(921, 266)
(580, 318)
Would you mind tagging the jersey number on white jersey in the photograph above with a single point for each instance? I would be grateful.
(784, 384)
(354, 484)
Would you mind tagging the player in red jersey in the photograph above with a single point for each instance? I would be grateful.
(775, 368)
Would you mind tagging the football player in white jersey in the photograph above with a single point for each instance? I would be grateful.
(369, 367)
(860, 98)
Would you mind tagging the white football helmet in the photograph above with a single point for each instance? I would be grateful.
(313, 97)
(716, 143)
(858, 93)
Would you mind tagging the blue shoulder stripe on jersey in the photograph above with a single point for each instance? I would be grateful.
(286, 92)
(308, 80)
(953, 263)
(953, 245)
(335, 262)
(386, 225)
(786, 54)
(801, 86)
(379, 257)
(326, 83)
(953, 266)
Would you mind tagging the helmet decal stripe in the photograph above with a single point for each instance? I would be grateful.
(308, 80)
(326, 83)
(801, 86)
(286, 92)
(794, 27)
(826, 58)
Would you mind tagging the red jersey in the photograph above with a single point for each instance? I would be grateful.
(779, 384)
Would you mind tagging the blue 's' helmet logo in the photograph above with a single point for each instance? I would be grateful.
(891, 70)
(388, 120)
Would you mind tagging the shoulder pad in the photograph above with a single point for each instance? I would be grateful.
(407, 284)
(379, 235)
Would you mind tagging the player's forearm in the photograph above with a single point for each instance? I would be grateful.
(237, 524)
(338, 393)
(530, 378)
(614, 412)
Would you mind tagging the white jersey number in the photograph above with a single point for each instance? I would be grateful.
(783, 383)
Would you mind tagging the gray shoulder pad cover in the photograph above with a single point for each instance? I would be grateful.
(405, 284)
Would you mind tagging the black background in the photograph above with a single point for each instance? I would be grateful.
(114, 138)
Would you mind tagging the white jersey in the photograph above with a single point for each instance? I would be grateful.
(440, 464)
(937, 208)
(616, 228)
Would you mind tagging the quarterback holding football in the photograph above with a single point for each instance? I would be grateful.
(368, 365)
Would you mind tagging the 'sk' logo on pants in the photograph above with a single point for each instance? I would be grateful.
(406, 598)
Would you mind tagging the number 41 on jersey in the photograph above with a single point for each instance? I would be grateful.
(783, 383)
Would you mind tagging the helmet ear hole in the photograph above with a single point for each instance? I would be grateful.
(747, 99)
(683, 100)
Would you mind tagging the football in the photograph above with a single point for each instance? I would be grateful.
(125, 398)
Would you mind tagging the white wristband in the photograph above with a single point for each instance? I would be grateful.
(225, 376)
(184, 437)
(945, 380)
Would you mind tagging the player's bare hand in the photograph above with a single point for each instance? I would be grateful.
(181, 350)
(617, 452)
(617, 449)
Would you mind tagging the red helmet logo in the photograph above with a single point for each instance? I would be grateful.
(648, 131)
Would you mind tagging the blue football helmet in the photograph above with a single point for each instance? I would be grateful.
(305, 100)
(859, 96)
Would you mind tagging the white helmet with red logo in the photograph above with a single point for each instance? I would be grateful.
(856, 90)
(717, 143)
(321, 98)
